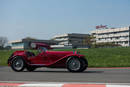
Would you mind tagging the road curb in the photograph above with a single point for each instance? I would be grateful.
(59, 85)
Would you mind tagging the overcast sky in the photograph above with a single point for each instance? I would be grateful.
(43, 19)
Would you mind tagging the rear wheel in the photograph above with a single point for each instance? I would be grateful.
(18, 64)
(76, 64)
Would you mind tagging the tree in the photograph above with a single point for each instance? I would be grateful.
(3, 41)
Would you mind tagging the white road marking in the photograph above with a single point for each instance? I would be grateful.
(117, 86)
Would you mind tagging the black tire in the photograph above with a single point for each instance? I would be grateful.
(84, 64)
(18, 64)
(76, 64)
(30, 68)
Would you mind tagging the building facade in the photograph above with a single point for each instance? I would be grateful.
(17, 44)
(26, 43)
(119, 36)
(70, 40)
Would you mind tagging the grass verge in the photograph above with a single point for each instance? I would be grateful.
(97, 57)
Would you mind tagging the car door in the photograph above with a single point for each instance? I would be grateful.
(41, 58)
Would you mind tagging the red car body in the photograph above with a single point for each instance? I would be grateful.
(51, 59)
(48, 58)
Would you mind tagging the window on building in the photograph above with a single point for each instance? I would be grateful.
(126, 42)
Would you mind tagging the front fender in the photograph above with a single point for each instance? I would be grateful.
(11, 58)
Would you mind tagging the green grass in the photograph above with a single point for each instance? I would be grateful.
(97, 57)
(4, 55)
(108, 57)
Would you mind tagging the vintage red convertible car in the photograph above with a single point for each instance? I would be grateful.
(71, 60)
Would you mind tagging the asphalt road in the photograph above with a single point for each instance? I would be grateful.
(62, 75)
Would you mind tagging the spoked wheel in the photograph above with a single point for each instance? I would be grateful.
(76, 65)
(18, 64)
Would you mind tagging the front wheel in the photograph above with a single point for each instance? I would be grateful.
(76, 64)
(18, 64)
